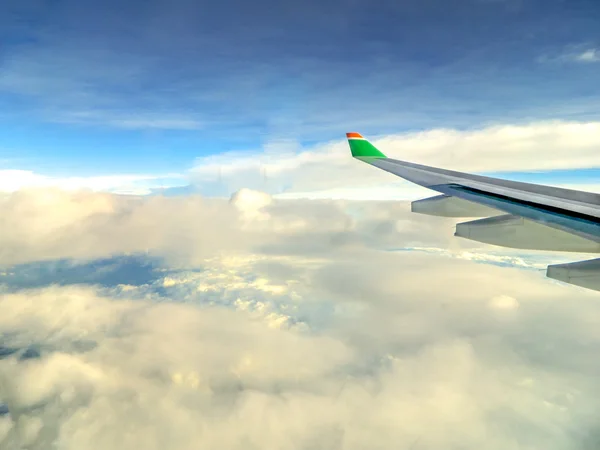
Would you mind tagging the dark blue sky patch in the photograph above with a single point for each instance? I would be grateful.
(109, 272)
(32, 352)
(5, 352)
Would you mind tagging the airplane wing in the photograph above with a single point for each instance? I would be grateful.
(515, 214)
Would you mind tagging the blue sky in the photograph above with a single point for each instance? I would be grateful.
(95, 88)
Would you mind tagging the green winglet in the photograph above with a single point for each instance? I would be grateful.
(361, 148)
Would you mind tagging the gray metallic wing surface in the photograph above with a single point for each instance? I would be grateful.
(569, 210)
(573, 215)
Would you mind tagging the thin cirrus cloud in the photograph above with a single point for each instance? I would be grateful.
(132, 120)
(590, 55)
(579, 54)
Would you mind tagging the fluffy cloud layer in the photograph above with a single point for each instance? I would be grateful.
(52, 224)
(281, 324)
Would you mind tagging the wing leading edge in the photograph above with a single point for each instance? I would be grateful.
(516, 214)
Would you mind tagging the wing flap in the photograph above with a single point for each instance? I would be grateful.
(516, 232)
(448, 206)
(585, 274)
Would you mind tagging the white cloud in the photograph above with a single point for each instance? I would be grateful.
(504, 302)
(49, 224)
(394, 192)
(577, 54)
(251, 203)
(328, 170)
(162, 363)
(135, 184)
(282, 324)
(179, 376)
(498, 256)
(589, 55)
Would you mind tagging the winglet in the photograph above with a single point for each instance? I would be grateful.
(362, 148)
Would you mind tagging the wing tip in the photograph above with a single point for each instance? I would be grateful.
(354, 135)
(361, 147)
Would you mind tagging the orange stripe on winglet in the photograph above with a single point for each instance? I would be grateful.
(354, 135)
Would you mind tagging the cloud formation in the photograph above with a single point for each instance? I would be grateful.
(53, 224)
(579, 54)
(590, 55)
(134, 184)
(287, 170)
(324, 171)
(282, 324)
(181, 376)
